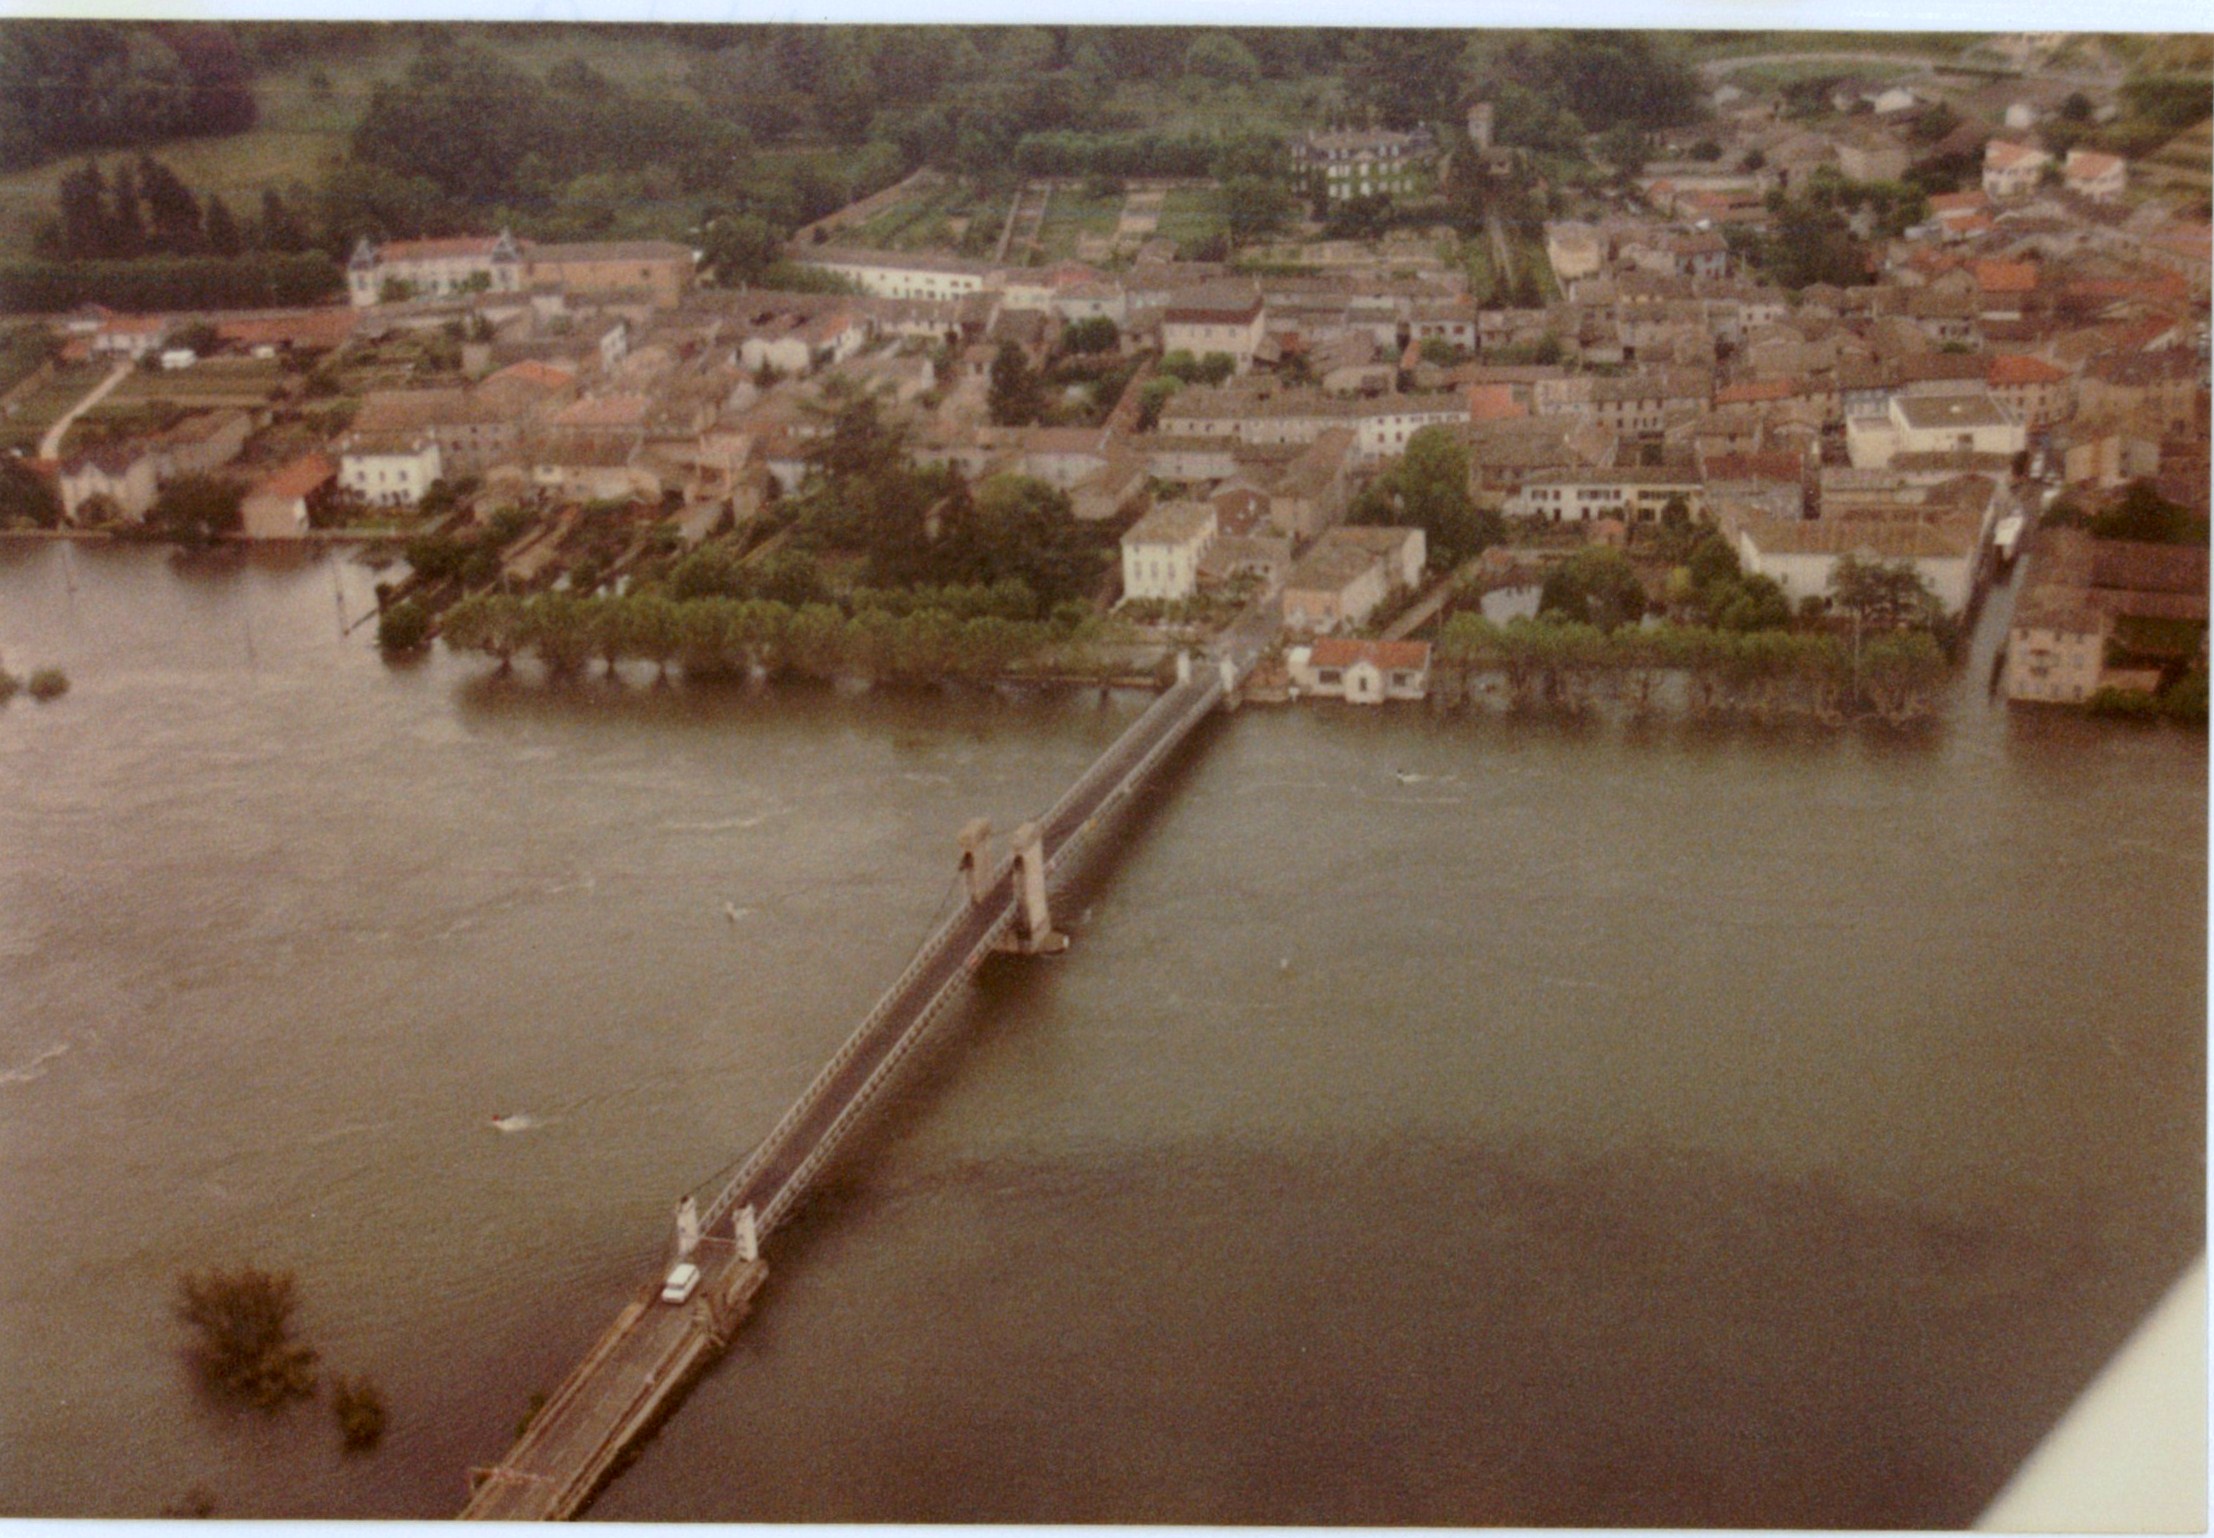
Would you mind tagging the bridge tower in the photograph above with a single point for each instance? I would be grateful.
(1035, 934)
(976, 858)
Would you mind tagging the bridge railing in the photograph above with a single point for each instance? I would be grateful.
(910, 1037)
(847, 1051)
(1169, 704)
(1138, 746)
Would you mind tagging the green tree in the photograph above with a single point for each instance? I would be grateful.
(739, 249)
(1596, 586)
(1013, 396)
(1220, 56)
(1093, 334)
(358, 1404)
(403, 627)
(196, 508)
(1882, 595)
(26, 497)
(1254, 207)
(1427, 488)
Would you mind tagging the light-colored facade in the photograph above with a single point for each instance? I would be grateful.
(434, 269)
(2098, 177)
(1367, 162)
(1336, 587)
(389, 469)
(896, 274)
(1233, 324)
(1162, 551)
(2012, 170)
(1362, 672)
(277, 506)
(1963, 421)
(656, 268)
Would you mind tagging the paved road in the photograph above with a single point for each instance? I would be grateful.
(49, 447)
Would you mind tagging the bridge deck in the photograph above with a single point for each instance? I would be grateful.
(630, 1376)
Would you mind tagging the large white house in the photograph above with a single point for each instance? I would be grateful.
(1367, 162)
(1162, 551)
(2096, 176)
(1971, 421)
(389, 469)
(433, 269)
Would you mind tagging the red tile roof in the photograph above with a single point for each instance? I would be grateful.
(1750, 390)
(2006, 277)
(298, 478)
(1343, 652)
(1492, 403)
(532, 372)
(2013, 368)
(299, 328)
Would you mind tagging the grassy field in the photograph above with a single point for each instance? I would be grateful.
(918, 221)
(1190, 213)
(309, 110)
(1070, 217)
(1736, 45)
(217, 382)
(28, 416)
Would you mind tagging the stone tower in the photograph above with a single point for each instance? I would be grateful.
(1479, 125)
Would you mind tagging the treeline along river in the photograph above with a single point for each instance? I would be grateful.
(1439, 1119)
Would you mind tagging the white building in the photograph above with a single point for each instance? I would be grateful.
(434, 269)
(1385, 423)
(2096, 176)
(389, 469)
(896, 274)
(1367, 162)
(1967, 421)
(1225, 320)
(2012, 170)
(1162, 551)
(1362, 672)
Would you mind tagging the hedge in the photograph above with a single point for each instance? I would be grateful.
(261, 280)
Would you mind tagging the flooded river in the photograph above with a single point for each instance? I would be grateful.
(1438, 1119)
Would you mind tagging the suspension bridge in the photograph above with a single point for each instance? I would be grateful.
(639, 1367)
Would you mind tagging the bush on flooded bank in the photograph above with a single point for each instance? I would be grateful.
(1569, 665)
(724, 637)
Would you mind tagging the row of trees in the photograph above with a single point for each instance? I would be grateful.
(723, 637)
(144, 209)
(260, 280)
(1569, 665)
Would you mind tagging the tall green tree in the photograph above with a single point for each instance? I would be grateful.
(1427, 488)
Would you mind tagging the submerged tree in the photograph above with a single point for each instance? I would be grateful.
(244, 1350)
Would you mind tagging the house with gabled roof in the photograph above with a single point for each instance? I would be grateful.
(1362, 672)
(2012, 170)
(2096, 176)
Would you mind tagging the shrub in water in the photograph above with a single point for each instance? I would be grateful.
(359, 1407)
(49, 684)
(245, 1352)
(403, 627)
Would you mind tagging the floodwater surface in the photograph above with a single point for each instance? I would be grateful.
(1438, 1119)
